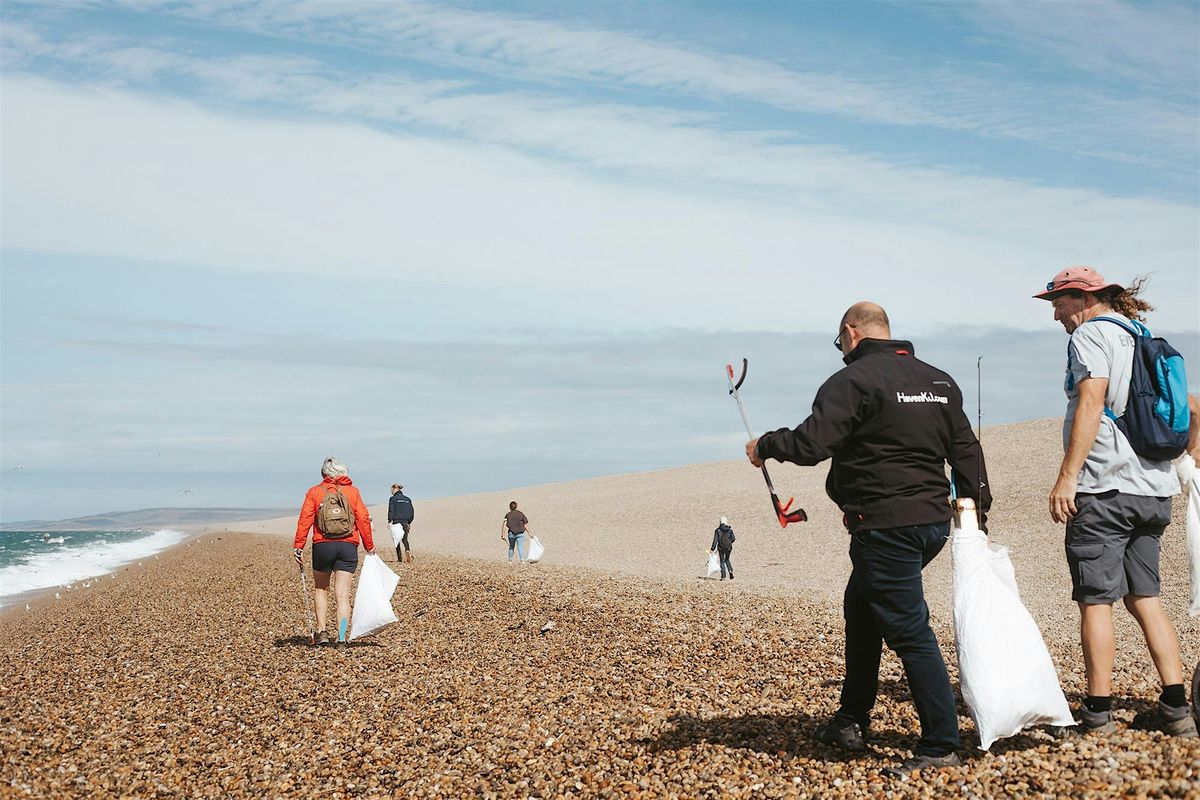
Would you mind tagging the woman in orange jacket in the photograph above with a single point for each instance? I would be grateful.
(334, 512)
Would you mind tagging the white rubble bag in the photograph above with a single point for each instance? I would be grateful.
(1007, 678)
(373, 599)
(1189, 479)
(536, 550)
(714, 564)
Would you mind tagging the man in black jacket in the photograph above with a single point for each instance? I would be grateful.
(890, 423)
(400, 517)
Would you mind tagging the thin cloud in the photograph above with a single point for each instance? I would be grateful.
(648, 400)
(1125, 128)
(302, 197)
(1153, 44)
(962, 96)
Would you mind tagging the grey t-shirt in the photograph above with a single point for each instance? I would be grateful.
(1101, 349)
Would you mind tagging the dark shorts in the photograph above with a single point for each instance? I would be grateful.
(334, 556)
(1113, 544)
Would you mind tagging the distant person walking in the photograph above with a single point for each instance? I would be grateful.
(400, 517)
(890, 423)
(513, 528)
(722, 545)
(1115, 502)
(333, 511)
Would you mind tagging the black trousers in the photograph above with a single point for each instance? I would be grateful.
(726, 564)
(402, 545)
(885, 602)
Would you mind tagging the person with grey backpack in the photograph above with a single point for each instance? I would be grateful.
(722, 545)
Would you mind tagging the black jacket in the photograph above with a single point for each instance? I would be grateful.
(716, 545)
(890, 422)
(400, 509)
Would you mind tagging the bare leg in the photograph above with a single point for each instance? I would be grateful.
(321, 598)
(1096, 633)
(1160, 636)
(341, 588)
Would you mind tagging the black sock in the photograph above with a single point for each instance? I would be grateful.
(1098, 704)
(1173, 696)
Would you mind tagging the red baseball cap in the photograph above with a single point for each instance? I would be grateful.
(1077, 278)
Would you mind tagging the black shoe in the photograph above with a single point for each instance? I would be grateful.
(841, 731)
(919, 763)
(342, 644)
(322, 638)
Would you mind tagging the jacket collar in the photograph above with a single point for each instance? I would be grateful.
(341, 480)
(868, 346)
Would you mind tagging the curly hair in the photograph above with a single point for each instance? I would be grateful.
(1127, 302)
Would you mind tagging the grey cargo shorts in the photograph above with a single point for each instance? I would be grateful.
(1113, 545)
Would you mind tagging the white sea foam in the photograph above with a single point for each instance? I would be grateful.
(69, 564)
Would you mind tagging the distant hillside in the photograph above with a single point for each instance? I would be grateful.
(149, 518)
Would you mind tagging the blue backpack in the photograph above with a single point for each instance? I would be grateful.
(1156, 417)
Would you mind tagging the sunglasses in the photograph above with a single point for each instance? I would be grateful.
(837, 343)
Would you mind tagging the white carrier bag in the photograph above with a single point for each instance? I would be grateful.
(1007, 678)
(373, 599)
(714, 564)
(536, 550)
(1189, 480)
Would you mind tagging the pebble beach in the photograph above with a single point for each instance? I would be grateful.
(191, 675)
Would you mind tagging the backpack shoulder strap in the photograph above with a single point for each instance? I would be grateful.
(1134, 328)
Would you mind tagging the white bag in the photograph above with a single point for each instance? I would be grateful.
(373, 599)
(536, 551)
(1007, 678)
(1190, 479)
(714, 564)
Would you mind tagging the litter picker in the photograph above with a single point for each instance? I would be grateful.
(785, 516)
(312, 627)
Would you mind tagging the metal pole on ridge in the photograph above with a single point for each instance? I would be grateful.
(782, 513)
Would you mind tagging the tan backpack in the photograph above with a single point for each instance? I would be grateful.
(335, 520)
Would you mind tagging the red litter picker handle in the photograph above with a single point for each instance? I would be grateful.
(782, 512)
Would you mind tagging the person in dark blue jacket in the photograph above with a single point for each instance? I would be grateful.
(400, 517)
(722, 545)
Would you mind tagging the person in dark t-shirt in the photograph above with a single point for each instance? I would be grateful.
(513, 528)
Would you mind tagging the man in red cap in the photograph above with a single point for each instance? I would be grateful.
(1115, 503)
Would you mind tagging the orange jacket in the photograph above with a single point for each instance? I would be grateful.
(313, 500)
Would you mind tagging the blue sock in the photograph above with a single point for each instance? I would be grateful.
(342, 629)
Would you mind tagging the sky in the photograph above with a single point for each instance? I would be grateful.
(470, 247)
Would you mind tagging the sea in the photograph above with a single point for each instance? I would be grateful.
(37, 560)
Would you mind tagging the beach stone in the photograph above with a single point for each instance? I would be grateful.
(632, 696)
